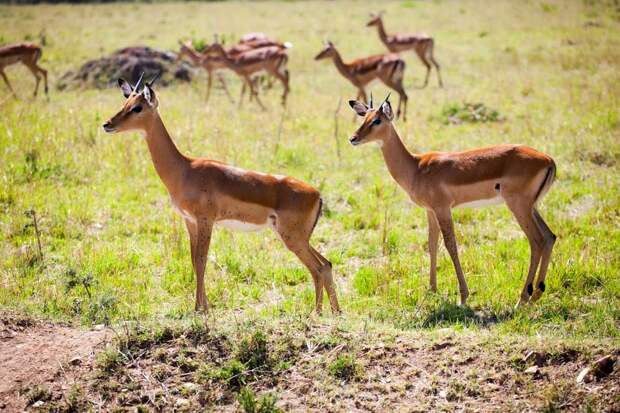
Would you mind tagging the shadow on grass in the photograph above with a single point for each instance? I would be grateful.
(449, 313)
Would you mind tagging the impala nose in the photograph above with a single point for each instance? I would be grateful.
(354, 140)
(108, 127)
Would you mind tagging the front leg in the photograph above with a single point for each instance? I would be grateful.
(444, 217)
(433, 241)
(200, 238)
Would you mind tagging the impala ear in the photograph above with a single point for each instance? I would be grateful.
(149, 95)
(386, 108)
(359, 107)
(126, 88)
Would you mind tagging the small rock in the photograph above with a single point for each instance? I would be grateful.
(603, 366)
(38, 403)
(532, 370)
(443, 394)
(98, 327)
(585, 375)
(534, 357)
(75, 361)
(181, 402)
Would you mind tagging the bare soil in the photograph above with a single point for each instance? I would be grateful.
(188, 369)
(34, 353)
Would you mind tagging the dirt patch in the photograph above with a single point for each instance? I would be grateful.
(37, 353)
(302, 365)
(127, 63)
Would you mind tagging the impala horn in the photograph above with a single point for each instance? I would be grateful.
(386, 99)
(138, 83)
(150, 84)
(370, 104)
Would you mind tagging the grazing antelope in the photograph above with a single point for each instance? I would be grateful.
(439, 181)
(422, 44)
(208, 193)
(389, 68)
(272, 60)
(26, 53)
(209, 63)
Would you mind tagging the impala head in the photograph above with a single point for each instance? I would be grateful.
(185, 50)
(215, 48)
(139, 108)
(328, 51)
(376, 123)
(375, 19)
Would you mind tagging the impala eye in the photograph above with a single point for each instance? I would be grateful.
(376, 121)
(136, 109)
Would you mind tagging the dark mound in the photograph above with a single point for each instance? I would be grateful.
(127, 63)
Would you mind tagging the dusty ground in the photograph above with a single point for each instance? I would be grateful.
(188, 369)
(36, 353)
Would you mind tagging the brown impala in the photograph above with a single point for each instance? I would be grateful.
(422, 44)
(208, 193)
(439, 181)
(271, 59)
(389, 68)
(26, 53)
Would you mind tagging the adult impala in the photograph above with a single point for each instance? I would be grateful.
(422, 44)
(28, 54)
(272, 59)
(209, 63)
(208, 193)
(439, 181)
(389, 68)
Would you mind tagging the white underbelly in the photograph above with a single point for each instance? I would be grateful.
(242, 226)
(185, 214)
(482, 202)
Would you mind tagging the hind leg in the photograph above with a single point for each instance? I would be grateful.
(422, 55)
(549, 241)
(328, 280)
(437, 69)
(523, 212)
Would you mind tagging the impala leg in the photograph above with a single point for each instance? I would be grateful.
(35, 72)
(523, 212)
(209, 83)
(254, 93)
(6, 80)
(549, 241)
(314, 265)
(328, 280)
(200, 232)
(422, 55)
(433, 243)
(444, 217)
(225, 87)
(437, 69)
(44, 73)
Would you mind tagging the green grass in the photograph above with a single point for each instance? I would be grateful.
(113, 249)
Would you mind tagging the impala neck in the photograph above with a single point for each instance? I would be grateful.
(169, 163)
(382, 33)
(194, 55)
(401, 164)
(340, 65)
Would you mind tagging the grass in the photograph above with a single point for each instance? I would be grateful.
(113, 249)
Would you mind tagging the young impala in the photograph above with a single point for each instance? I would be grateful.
(439, 181)
(207, 193)
(389, 68)
(421, 44)
(272, 59)
(209, 63)
(26, 53)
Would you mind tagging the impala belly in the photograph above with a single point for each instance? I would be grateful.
(186, 215)
(482, 202)
(241, 226)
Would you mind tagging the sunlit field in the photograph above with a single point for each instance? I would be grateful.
(113, 249)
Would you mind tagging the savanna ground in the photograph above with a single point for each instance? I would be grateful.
(113, 251)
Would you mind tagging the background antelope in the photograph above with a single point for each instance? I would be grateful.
(271, 59)
(207, 192)
(439, 181)
(28, 54)
(422, 44)
(209, 63)
(389, 68)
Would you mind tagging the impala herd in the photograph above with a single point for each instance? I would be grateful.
(208, 193)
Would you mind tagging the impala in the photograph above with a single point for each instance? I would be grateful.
(272, 59)
(207, 193)
(422, 44)
(439, 181)
(26, 53)
(209, 63)
(389, 68)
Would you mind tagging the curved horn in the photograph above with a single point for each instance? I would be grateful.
(154, 79)
(370, 100)
(137, 85)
